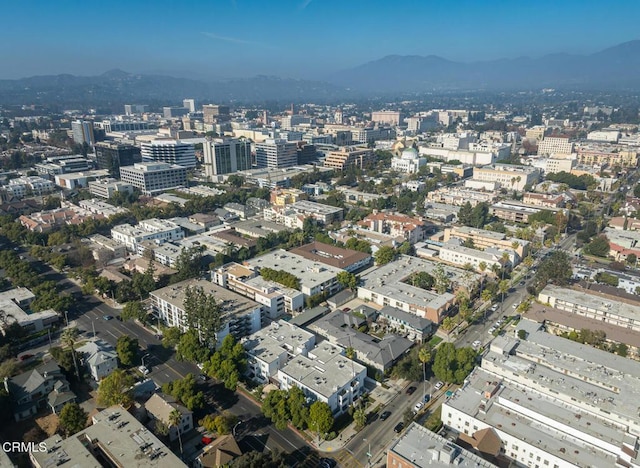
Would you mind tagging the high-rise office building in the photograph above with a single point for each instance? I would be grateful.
(212, 113)
(189, 104)
(170, 151)
(112, 156)
(225, 156)
(83, 132)
(131, 109)
(276, 153)
(306, 153)
(174, 112)
(152, 178)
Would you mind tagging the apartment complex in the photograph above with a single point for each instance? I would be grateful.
(334, 256)
(174, 152)
(157, 230)
(397, 225)
(348, 156)
(554, 145)
(153, 178)
(551, 402)
(241, 316)
(543, 199)
(274, 297)
(393, 118)
(226, 156)
(480, 260)
(82, 132)
(482, 238)
(294, 214)
(513, 211)
(274, 153)
(107, 188)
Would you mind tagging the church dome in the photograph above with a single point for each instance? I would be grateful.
(410, 153)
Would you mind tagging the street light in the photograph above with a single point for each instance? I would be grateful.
(368, 452)
(233, 431)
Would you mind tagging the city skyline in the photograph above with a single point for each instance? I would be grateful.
(308, 39)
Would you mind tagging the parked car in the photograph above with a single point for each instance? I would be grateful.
(476, 344)
(24, 357)
(439, 385)
(107, 317)
(427, 398)
(384, 416)
(145, 370)
(410, 390)
(398, 427)
(418, 407)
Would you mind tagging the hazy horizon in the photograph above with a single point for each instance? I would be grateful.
(306, 39)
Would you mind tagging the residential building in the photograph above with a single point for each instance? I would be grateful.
(242, 316)
(325, 374)
(409, 162)
(398, 225)
(28, 185)
(607, 310)
(551, 401)
(509, 176)
(553, 165)
(157, 230)
(294, 214)
(588, 155)
(159, 408)
(82, 132)
(105, 249)
(226, 156)
(275, 298)
(221, 452)
(537, 132)
(99, 357)
(276, 153)
(112, 156)
(340, 329)
(388, 285)
(418, 447)
(174, 152)
(458, 196)
(42, 387)
(130, 109)
(409, 325)
(332, 255)
(513, 211)
(554, 145)
(173, 112)
(56, 165)
(94, 447)
(315, 278)
(455, 253)
(154, 177)
(99, 207)
(189, 104)
(207, 221)
(14, 308)
(623, 243)
(107, 188)
(348, 156)
(271, 348)
(290, 121)
(369, 135)
(286, 196)
(482, 238)
(545, 200)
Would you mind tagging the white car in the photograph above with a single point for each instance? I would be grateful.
(438, 385)
(476, 344)
(144, 370)
(492, 329)
(418, 407)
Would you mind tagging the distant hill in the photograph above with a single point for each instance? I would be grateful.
(117, 86)
(615, 68)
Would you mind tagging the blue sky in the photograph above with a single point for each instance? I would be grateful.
(293, 38)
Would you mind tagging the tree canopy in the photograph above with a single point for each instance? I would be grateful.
(72, 418)
(115, 389)
(203, 314)
(184, 390)
(555, 268)
(228, 363)
(281, 276)
(453, 365)
(127, 349)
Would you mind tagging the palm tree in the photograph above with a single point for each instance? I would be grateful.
(69, 338)
(424, 355)
(175, 418)
(482, 266)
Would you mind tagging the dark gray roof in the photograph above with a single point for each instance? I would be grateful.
(411, 320)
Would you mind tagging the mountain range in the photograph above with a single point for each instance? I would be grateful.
(616, 68)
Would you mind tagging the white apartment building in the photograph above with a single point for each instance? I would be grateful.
(509, 176)
(99, 357)
(107, 188)
(23, 186)
(555, 165)
(157, 230)
(325, 374)
(226, 156)
(275, 298)
(270, 349)
(455, 253)
(555, 145)
(169, 151)
(552, 402)
(315, 278)
(242, 316)
(293, 214)
(153, 178)
(276, 153)
(387, 117)
(409, 162)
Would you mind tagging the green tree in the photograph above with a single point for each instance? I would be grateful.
(632, 259)
(320, 417)
(127, 349)
(133, 311)
(384, 255)
(347, 280)
(72, 419)
(188, 264)
(175, 418)
(171, 337)
(228, 363)
(255, 459)
(69, 339)
(360, 418)
(556, 269)
(441, 278)
(189, 348)
(599, 247)
(275, 408)
(184, 390)
(280, 276)
(203, 314)
(453, 365)
(115, 389)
